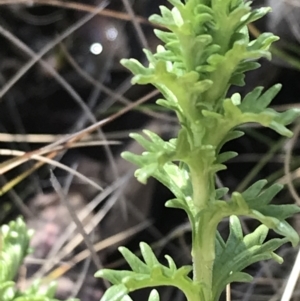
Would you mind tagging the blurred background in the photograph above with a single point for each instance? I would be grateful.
(60, 73)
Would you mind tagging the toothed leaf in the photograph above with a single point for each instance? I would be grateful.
(240, 252)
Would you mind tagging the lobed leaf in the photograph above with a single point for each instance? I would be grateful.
(145, 274)
(240, 252)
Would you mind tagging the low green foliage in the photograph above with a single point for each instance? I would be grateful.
(206, 50)
(14, 246)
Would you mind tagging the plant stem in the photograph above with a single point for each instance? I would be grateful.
(203, 253)
(200, 185)
(203, 245)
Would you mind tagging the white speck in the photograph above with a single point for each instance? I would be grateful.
(111, 33)
(96, 48)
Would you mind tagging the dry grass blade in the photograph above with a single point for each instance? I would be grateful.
(36, 57)
(77, 6)
(48, 138)
(292, 280)
(77, 239)
(68, 140)
(30, 138)
(136, 24)
(113, 95)
(57, 251)
(47, 160)
(81, 279)
(64, 199)
(12, 163)
(12, 183)
(101, 245)
(228, 293)
(287, 162)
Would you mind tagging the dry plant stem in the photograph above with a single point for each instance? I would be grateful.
(60, 250)
(48, 160)
(64, 142)
(49, 138)
(36, 57)
(82, 278)
(228, 293)
(67, 87)
(77, 239)
(99, 246)
(52, 71)
(287, 161)
(78, 6)
(113, 95)
(294, 276)
(39, 138)
(72, 138)
(75, 219)
(42, 160)
(56, 258)
(136, 24)
(292, 280)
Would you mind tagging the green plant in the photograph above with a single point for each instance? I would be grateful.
(14, 246)
(207, 49)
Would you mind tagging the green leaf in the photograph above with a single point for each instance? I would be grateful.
(154, 296)
(134, 262)
(172, 265)
(257, 14)
(115, 293)
(165, 36)
(179, 204)
(256, 102)
(247, 66)
(148, 255)
(226, 156)
(221, 192)
(148, 274)
(239, 277)
(7, 290)
(136, 67)
(273, 216)
(14, 247)
(115, 277)
(239, 252)
(255, 189)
